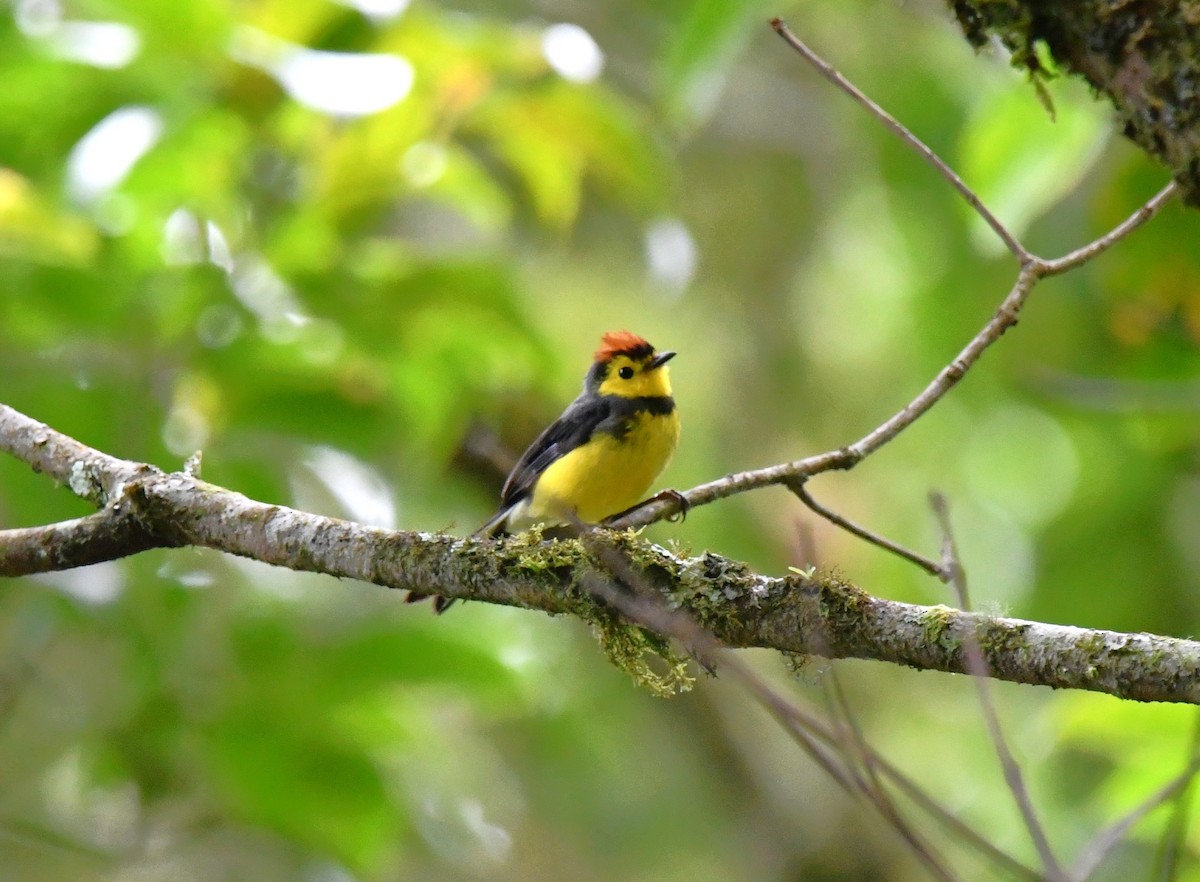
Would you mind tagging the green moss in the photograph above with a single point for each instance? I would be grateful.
(937, 623)
(1092, 646)
(714, 591)
(648, 658)
(535, 555)
(843, 606)
(708, 588)
(1002, 639)
(528, 557)
(1012, 21)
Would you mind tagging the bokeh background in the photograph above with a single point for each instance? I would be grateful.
(359, 252)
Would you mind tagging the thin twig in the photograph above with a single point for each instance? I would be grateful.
(849, 730)
(1175, 831)
(872, 786)
(956, 576)
(829, 72)
(1112, 237)
(805, 727)
(953, 823)
(1107, 839)
(877, 767)
(801, 491)
(644, 607)
(850, 733)
(980, 674)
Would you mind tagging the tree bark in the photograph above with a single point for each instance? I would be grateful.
(143, 507)
(1145, 57)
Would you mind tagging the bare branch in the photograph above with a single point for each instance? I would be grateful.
(847, 457)
(1116, 234)
(831, 73)
(1033, 269)
(1003, 319)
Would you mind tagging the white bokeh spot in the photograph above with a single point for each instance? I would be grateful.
(671, 253)
(572, 52)
(338, 83)
(105, 155)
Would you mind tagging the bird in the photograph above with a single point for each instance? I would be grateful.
(601, 456)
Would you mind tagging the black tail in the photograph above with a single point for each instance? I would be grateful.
(496, 526)
(440, 604)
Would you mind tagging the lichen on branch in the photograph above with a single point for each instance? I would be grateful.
(797, 614)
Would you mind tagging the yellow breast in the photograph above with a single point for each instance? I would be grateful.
(607, 474)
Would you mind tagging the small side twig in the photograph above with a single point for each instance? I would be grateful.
(1112, 237)
(639, 604)
(978, 667)
(1107, 839)
(111, 533)
(1175, 831)
(798, 488)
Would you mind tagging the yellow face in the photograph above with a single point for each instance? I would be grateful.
(635, 379)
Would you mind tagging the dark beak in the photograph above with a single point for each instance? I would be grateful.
(661, 359)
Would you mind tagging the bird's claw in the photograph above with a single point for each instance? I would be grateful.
(680, 500)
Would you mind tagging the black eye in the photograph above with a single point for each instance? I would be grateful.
(625, 372)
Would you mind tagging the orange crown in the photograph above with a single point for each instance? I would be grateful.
(623, 343)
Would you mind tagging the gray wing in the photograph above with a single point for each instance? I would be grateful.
(569, 431)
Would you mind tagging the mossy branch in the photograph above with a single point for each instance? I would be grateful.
(143, 507)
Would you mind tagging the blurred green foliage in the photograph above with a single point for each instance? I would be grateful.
(359, 312)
